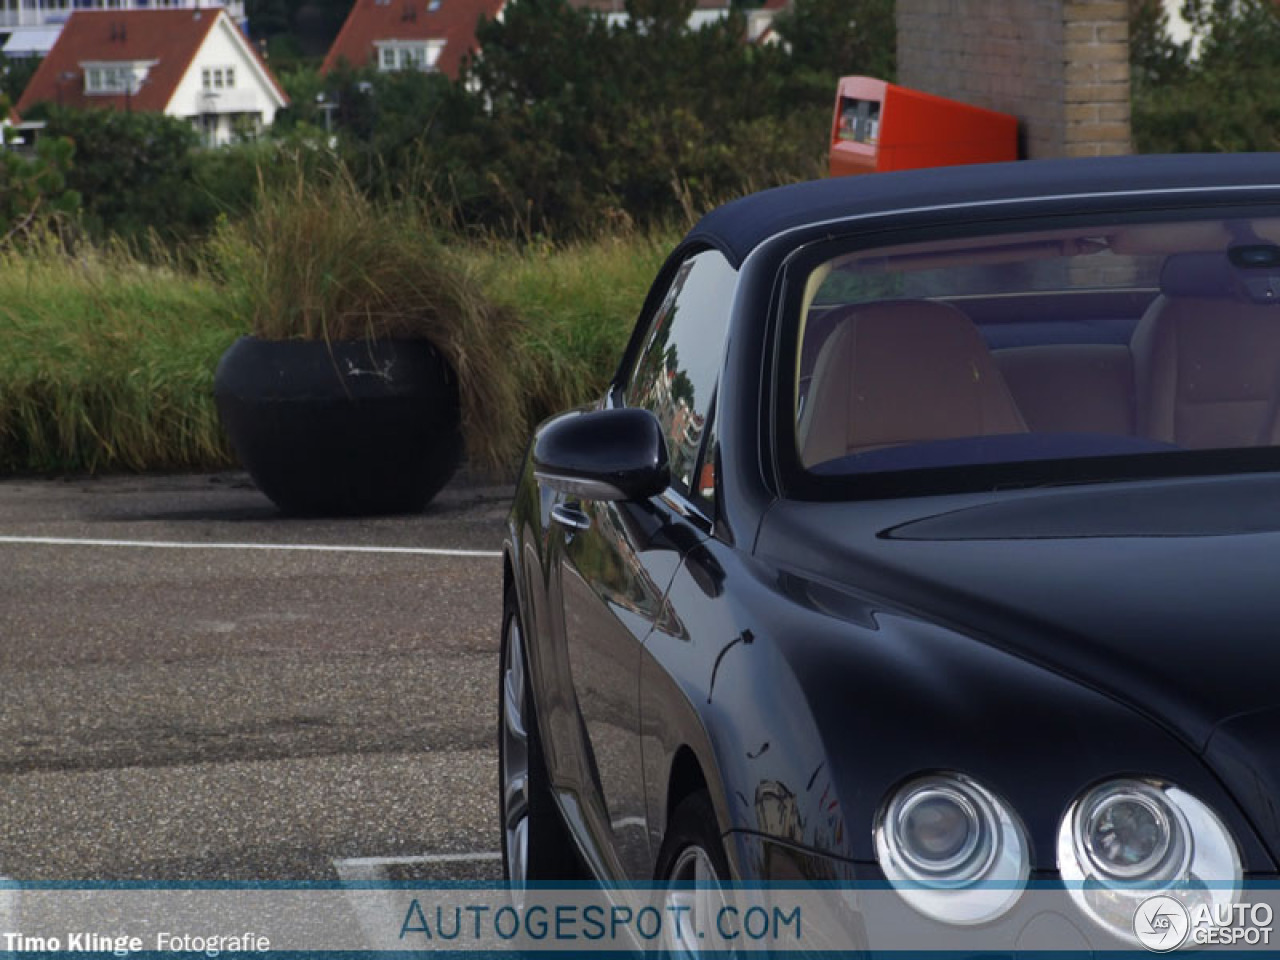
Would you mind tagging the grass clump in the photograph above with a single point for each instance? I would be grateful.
(319, 260)
(106, 364)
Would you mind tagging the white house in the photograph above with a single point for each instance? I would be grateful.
(190, 63)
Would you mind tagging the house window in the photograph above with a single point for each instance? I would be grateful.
(433, 6)
(402, 55)
(111, 79)
(217, 78)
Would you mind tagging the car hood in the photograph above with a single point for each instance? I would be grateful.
(1163, 594)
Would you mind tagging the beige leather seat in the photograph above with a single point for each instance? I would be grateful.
(1206, 364)
(903, 371)
(1071, 387)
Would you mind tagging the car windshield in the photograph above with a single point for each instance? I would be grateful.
(1125, 341)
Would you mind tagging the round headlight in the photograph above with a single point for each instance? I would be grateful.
(1128, 840)
(1130, 833)
(952, 849)
(942, 833)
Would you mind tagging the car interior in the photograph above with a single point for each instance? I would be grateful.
(1051, 345)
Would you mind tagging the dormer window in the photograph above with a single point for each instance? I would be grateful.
(112, 79)
(408, 54)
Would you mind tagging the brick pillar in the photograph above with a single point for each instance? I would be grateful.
(1096, 49)
(1060, 66)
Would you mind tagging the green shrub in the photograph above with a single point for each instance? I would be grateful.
(33, 188)
(132, 170)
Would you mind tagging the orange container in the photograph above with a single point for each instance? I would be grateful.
(880, 126)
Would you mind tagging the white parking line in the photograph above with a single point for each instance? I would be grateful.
(359, 863)
(372, 908)
(8, 905)
(293, 547)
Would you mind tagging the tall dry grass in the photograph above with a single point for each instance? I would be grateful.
(577, 306)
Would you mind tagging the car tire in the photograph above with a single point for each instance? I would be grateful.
(692, 872)
(540, 850)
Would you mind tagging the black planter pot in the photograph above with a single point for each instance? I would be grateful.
(347, 427)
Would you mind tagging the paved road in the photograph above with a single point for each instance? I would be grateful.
(231, 713)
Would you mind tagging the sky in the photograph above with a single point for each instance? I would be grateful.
(1178, 29)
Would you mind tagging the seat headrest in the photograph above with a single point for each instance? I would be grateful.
(1199, 275)
(903, 371)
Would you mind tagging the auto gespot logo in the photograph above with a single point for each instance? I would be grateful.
(1163, 923)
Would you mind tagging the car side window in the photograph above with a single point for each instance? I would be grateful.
(679, 365)
(704, 490)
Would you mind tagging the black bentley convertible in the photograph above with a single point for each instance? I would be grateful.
(927, 535)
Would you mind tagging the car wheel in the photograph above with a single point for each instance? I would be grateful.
(692, 870)
(536, 847)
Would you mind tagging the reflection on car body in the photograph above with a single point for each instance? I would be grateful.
(985, 463)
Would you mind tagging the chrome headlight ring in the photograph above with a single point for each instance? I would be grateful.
(952, 849)
(1130, 839)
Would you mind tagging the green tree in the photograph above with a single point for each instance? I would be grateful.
(1239, 37)
(587, 123)
(15, 74)
(33, 184)
(659, 19)
(267, 18)
(294, 30)
(1222, 98)
(133, 170)
(1156, 60)
(842, 37)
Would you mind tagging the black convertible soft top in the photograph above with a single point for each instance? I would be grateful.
(739, 227)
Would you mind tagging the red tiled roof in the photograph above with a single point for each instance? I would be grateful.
(454, 22)
(171, 38)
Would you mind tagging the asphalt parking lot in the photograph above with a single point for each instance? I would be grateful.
(196, 688)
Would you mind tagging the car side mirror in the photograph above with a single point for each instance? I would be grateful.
(616, 454)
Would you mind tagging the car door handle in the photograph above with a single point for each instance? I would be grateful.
(570, 516)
